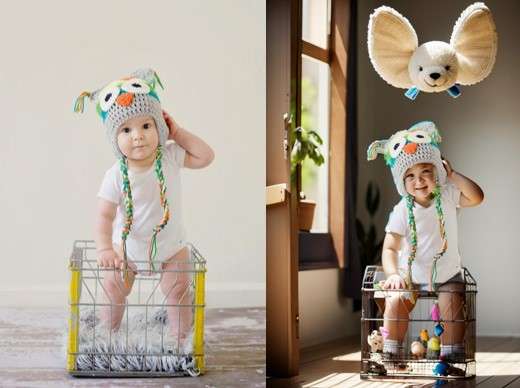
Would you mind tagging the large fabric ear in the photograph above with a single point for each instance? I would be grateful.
(391, 43)
(377, 147)
(474, 39)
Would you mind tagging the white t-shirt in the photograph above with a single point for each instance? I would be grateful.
(147, 207)
(428, 237)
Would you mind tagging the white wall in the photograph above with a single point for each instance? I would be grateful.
(325, 315)
(480, 133)
(210, 56)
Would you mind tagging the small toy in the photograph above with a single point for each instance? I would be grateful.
(417, 349)
(441, 369)
(384, 332)
(435, 312)
(375, 340)
(434, 66)
(438, 329)
(376, 368)
(434, 348)
(424, 337)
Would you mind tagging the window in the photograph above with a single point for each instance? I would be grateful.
(322, 88)
(315, 103)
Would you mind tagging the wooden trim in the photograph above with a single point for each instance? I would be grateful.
(275, 194)
(340, 15)
(315, 52)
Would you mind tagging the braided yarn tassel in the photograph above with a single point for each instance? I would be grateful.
(129, 213)
(152, 252)
(442, 229)
(413, 237)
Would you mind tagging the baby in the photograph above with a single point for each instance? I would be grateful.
(139, 223)
(420, 249)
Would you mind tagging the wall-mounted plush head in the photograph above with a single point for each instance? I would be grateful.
(404, 149)
(433, 66)
(126, 98)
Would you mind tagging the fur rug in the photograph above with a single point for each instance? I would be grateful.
(140, 344)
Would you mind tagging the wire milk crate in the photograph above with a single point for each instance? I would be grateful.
(425, 327)
(143, 344)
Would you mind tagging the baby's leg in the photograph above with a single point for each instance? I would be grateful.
(115, 293)
(451, 305)
(176, 289)
(396, 315)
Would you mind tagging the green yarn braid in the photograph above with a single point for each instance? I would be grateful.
(129, 213)
(413, 235)
(440, 215)
(152, 252)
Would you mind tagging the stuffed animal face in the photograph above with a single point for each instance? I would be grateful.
(433, 66)
(375, 340)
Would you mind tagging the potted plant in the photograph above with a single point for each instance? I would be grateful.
(306, 144)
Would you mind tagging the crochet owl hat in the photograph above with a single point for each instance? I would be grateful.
(126, 98)
(116, 103)
(404, 149)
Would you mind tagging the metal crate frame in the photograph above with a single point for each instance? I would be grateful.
(82, 265)
(372, 319)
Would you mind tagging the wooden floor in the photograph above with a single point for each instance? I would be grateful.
(336, 364)
(32, 352)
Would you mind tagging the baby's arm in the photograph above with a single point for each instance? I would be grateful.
(390, 253)
(198, 153)
(106, 212)
(470, 193)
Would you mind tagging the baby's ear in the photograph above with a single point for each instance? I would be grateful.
(377, 147)
(391, 43)
(474, 39)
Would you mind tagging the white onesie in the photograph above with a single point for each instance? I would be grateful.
(147, 207)
(429, 237)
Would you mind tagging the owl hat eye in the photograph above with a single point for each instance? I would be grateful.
(396, 144)
(419, 137)
(108, 96)
(135, 85)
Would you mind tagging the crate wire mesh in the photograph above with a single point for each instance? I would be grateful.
(376, 365)
(143, 345)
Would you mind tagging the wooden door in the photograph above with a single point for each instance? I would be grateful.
(283, 32)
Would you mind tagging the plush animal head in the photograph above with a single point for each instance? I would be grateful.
(406, 148)
(375, 340)
(433, 66)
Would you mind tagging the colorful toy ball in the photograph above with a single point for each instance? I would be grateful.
(438, 329)
(435, 312)
(424, 336)
(417, 349)
(434, 348)
(440, 369)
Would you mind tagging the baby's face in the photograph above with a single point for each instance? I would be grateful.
(419, 180)
(138, 139)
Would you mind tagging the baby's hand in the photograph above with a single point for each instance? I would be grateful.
(447, 167)
(394, 282)
(108, 258)
(172, 125)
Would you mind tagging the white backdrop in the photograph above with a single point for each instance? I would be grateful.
(210, 56)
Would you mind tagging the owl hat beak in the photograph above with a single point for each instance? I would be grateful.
(125, 99)
(410, 148)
